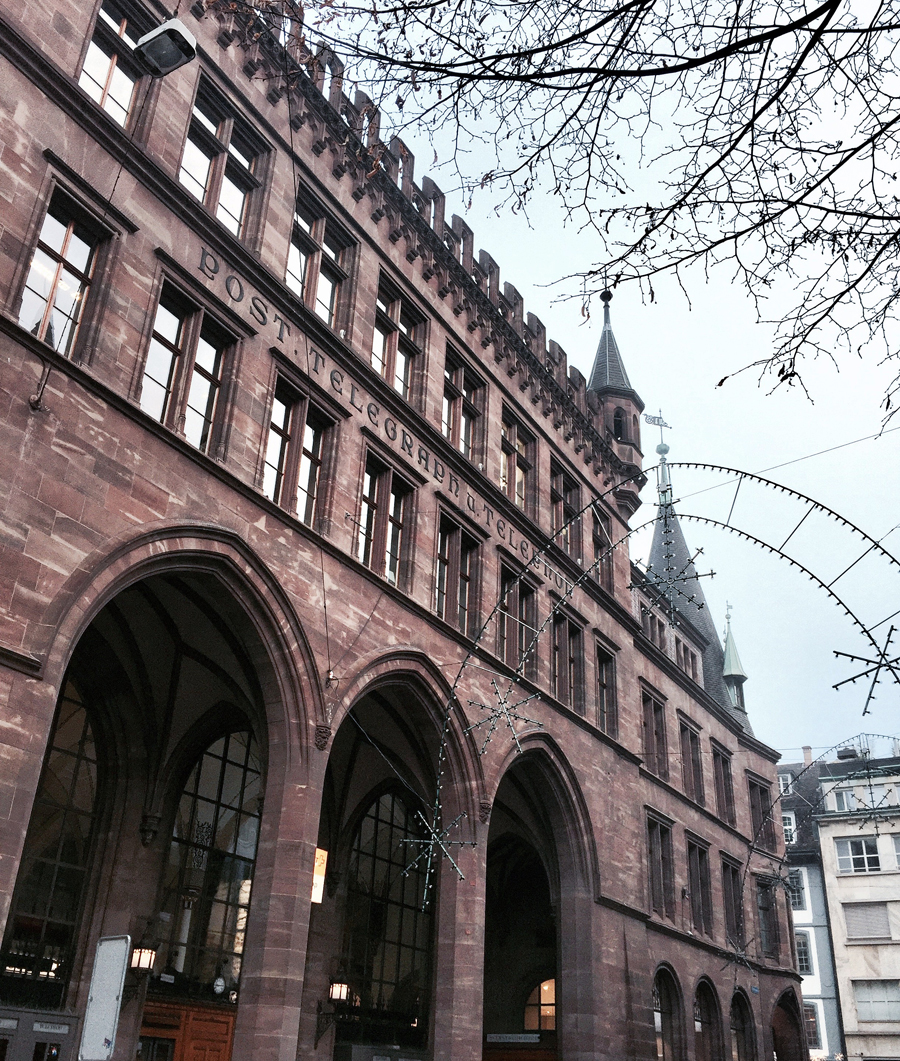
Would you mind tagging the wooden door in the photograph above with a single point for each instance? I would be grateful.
(173, 1031)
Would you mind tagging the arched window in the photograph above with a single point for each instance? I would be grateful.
(742, 1048)
(620, 425)
(388, 934)
(210, 870)
(707, 1025)
(42, 930)
(540, 1009)
(667, 1018)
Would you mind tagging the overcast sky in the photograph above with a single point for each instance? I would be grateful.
(786, 628)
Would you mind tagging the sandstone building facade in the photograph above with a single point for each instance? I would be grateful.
(325, 673)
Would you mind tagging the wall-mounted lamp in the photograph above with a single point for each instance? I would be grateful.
(167, 47)
(339, 997)
(142, 959)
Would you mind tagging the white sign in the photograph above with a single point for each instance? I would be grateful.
(521, 1037)
(52, 1029)
(101, 1017)
(9, 1024)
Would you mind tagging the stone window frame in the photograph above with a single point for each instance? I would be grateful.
(457, 573)
(117, 27)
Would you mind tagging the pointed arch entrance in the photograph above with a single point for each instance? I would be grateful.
(147, 816)
(538, 975)
(788, 1041)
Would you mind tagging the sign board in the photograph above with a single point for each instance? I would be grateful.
(104, 998)
(514, 1037)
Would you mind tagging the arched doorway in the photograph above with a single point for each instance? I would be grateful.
(668, 1017)
(788, 1042)
(743, 1040)
(370, 968)
(147, 816)
(708, 1045)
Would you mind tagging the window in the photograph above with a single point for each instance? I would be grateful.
(667, 1018)
(691, 763)
(877, 999)
(516, 462)
(896, 839)
(384, 521)
(565, 506)
(517, 622)
(318, 261)
(804, 954)
(396, 341)
(789, 825)
(607, 706)
(567, 662)
(858, 855)
(686, 658)
(707, 1025)
(604, 570)
(768, 915)
(662, 877)
(843, 800)
(655, 746)
(184, 369)
(455, 581)
(389, 928)
(42, 930)
(743, 1047)
(785, 784)
(110, 72)
(699, 886)
(796, 888)
(763, 831)
(209, 875)
(867, 920)
(620, 425)
(734, 905)
(811, 1025)
(461, 409)
(294, 449)
(59, 276)
(654, 627)
(540, 1009)
(724, 786)
(220, 160)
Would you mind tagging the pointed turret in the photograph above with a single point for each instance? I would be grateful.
(609, 381)
(671, 565)
(733, 674)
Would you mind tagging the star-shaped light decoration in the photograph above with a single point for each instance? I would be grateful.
(436, 840)
(874, 667)
(503, 710)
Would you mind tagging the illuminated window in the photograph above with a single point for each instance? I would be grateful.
(184, 370)
(540, 1009)
(209, 874)
(318, 261)
(110, 72)
(42, 930)
(396, 341)
(220, 159)
(60, 275)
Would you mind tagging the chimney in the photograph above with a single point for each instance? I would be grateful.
(807, 755)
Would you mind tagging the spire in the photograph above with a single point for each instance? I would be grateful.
(671, 566)
(733, 674)
(608, 373)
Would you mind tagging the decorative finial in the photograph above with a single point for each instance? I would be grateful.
(606, 296)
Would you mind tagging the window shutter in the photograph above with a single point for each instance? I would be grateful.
(867, 920)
